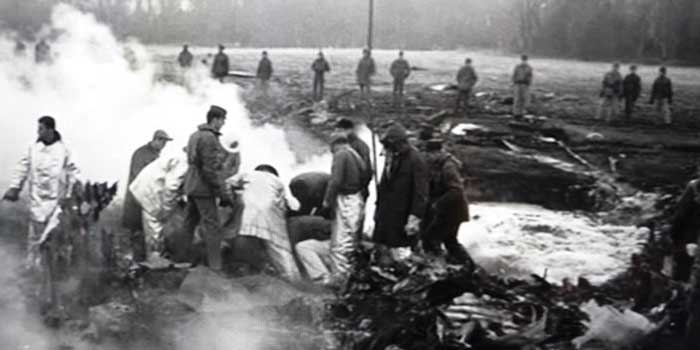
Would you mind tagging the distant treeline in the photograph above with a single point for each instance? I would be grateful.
(589, 29)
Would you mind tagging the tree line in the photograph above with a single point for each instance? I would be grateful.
(590, 29)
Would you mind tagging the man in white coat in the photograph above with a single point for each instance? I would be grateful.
(48, 170)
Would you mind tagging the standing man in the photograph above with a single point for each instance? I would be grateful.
(346, 127)
(466, 79)
(345, 198)
(448, 207)
(132, 218)
(48, 169)
(264, 72)
(692, 336)
(365, 70)
(203, 184)
(610, 94)
(631, 89)
(185, 57)
(685, 228)
(320, 67)
(220, 67)
(662, 94)
(403, 191)
(522, 80)
(400, 70)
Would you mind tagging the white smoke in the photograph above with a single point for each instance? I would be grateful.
(105, 109)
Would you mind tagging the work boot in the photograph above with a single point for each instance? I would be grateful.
(154, 261)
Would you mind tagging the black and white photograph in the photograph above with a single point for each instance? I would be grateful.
(350, 175)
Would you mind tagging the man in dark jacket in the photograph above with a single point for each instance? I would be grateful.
(320, 67)
(448, 207)
(610, 94)
(309, 189)
(662, 94)
(364, 72)
(692, 336)
(344, 196)
(685, 229)
(346, 127)
(264, 72)
(631, 88)
(220, 67)
(403, 191)
(522, 80)
(185, 57)
(400, 70)
(42, 52)
(466, 79)
(203, 184)
(132, 212)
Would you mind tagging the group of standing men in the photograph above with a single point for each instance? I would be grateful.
(614, 88)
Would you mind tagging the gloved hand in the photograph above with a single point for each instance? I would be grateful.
(12, 195)
(413, 225)
(691, 249)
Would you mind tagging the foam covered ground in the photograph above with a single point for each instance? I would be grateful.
(519, 239)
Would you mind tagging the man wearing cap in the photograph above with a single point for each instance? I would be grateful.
(185, 57)
(203, 184)
(346, 127)
(48, 169)
(403, 191)
(522, 80)
(610, 94)
(662, 95)
(448, 207)
(400, 70)
(132, 218)
(320, 67)
(220, 67)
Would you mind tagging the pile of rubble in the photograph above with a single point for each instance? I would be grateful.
(425, 303)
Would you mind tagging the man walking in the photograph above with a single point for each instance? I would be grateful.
(662, 94)
(132, 218)
(48, 169)
(400, 70)
(320, 67)
(403, 191)
(610, 94)
(364, 72)
(448, 207)
(345, 198)
(466, 79)
(185, 57)
(631, 89)
(203, 184)
(522, 80)
(264, 72)
(220, 67)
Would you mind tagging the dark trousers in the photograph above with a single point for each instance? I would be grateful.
(463, 96)
(203, 211)
(681, 271)
(319, 82)
(442, 226)
(692, 337)
(630, 103)
(398, 91)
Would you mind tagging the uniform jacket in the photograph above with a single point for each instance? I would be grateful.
(466, 77)
(204, 160)
(612, 85)
(220, 67)
(309, 189)
(49, 173)
(403, 191)
(632, 86)
(365, 70)
(400, 69)
(363, 150)
(347, 174)
(131, 216)
(320, 66)
(185, 59)
(264, 69)
(445, 177)
(685, 224)
(522, 75)
(159, 184)
(662, 89)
